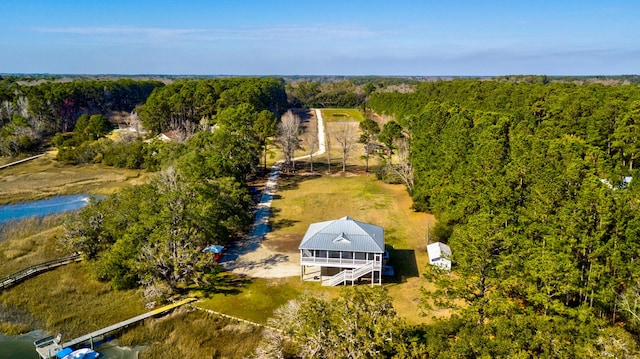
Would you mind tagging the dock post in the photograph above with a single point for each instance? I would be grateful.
(91, 340)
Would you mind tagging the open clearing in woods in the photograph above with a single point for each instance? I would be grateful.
(305, 198)
(301, 201)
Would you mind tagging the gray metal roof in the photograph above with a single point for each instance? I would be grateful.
(344, 234)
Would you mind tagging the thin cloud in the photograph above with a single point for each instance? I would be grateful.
(213, 34)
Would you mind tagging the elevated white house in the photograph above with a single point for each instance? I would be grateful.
(344, 248)
(439, 255)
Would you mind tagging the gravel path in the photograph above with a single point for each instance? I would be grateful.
(250, 257)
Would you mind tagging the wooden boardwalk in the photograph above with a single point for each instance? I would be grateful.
(126, 323)
(17, 277)
(24, 160)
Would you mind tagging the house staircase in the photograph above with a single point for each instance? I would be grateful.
(350, 275)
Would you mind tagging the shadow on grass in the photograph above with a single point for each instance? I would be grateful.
(404, 263)
(227, 284)
(276, 223)
(304, 114)
(288, 181)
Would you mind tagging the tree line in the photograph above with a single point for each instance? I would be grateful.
(530, 185)
(31, 112)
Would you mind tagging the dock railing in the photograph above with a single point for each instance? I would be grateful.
(17, 277)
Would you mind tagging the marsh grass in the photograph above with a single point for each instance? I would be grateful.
(7, 160)
(18, 229)
(13, 328)
(45, 177)
(29, 242)
(69, 301)
(195, 334)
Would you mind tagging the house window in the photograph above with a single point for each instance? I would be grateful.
(322, 254)
(334, 254)
(361, 256)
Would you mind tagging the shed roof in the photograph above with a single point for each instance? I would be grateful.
(438, 250)
(344, 234)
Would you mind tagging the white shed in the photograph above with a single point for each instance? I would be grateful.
(439, 255)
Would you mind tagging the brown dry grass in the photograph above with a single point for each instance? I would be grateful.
(301, 201)
(29, 242)
(45, 177)
(286, 243)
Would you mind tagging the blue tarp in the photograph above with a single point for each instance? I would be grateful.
(214, 249)
(64, 352)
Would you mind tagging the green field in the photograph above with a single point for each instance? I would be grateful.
(341, 114)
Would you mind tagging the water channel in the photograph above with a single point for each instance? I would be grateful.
(42, 208)
(21, 347)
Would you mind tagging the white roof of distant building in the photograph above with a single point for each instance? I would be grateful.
(438, 250)
(344, 234)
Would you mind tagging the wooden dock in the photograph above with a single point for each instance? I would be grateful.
(126, 323)
(46, 351)
(24, 160)
(17, 277)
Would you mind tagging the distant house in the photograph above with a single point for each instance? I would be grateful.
(375, 148)
(170, 136)
(344, 250)
(439, 255)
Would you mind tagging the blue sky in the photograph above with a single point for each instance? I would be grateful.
(329, 37)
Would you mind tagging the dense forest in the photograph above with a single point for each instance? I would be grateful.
(535, 189)
(33, 111)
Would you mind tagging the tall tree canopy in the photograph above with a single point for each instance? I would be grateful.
(187, 105)
(529, 180)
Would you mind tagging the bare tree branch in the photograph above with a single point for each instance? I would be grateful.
(345, 135)
(288, 130)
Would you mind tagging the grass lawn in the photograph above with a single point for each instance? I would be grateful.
(301, 201)
(256, 299)
(341, 114)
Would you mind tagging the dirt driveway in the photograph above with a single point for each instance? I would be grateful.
(273, 257)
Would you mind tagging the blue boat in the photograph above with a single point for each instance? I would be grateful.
(84, 353)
